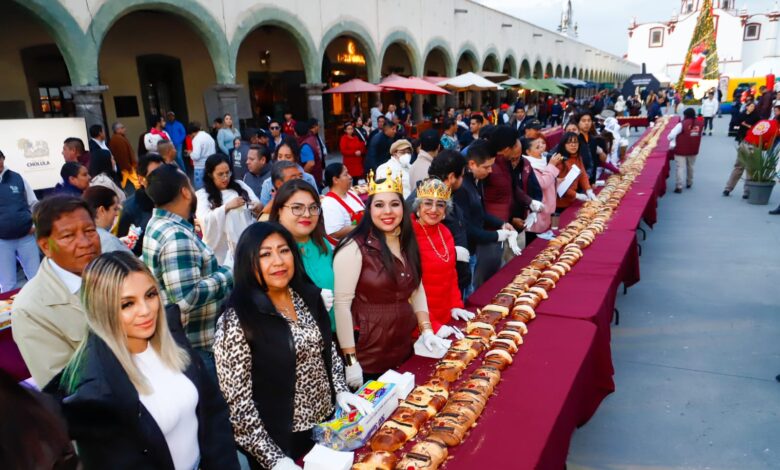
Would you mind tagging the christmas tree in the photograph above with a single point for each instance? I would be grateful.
(702, 50)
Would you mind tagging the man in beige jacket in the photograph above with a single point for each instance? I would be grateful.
(48, 322)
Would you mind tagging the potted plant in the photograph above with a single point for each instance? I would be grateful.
(761, 167)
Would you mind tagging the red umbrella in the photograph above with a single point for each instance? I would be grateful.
(355, 85)
(414, 85)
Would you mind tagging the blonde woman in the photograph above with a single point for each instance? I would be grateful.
(134, 395)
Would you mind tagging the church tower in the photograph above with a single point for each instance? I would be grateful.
(567, 26)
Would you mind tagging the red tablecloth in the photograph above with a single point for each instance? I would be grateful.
(10, 359)
(552, 136)
(538, 404)
(633, 121)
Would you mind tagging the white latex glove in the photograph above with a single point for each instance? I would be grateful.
(354, 375)
(513, 245)
(503, 235)
(591, 194)
(430, 341)
(327, 298)
(286, 464)
(347, 401)
(446, 330)
(461, 314)
(462, 254)
(536, 206)
(581, 197)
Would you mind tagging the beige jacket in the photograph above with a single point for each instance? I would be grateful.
(48, 324)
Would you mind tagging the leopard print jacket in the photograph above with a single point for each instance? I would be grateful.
(312, 403)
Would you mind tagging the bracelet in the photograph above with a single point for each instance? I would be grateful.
(350, 359)
(426, 325)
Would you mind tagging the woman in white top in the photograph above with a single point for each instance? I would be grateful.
(225, 207)
(134, 395)
(342, 209)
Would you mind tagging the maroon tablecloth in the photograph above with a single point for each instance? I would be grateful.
(552, 136)
(10, 359)
(538, 404)
(633, 121)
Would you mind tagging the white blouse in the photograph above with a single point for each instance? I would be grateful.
(221, 229)
(172, 404)
(334, 214)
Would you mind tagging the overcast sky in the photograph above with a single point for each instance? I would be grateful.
(603, 23)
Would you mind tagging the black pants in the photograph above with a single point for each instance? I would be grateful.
(707, 122)
(555, 120)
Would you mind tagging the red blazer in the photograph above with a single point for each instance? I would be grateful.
(348, 146)
(439, 277)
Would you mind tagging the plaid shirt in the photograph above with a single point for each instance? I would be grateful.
(188, 272)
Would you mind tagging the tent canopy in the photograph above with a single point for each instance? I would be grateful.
(513, 83)
(572, 82)
(762, 68)
(640, 80)
(544, 85)
(468, 81)
(412, 85)
(355, 85)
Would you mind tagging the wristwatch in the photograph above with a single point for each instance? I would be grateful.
(350, 359)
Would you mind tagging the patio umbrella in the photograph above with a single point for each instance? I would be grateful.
(468, 81)
(355, 85)
(413, 85)
(512, 83)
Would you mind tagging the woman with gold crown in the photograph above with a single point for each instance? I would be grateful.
(437, 253)
(379, 297)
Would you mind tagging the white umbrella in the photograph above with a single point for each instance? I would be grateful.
(468, 81)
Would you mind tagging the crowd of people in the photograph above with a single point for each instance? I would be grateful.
(180, 312)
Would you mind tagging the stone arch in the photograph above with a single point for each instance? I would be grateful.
(538, 71)
(566, 72)
(510, 64)
(404, 38)
(205, 25)
(272, 16)
(525, 69)
(548, 70)
(359, 33)
(468, 51)
(79, 54)
(438, 43)
(491, 54)
(575, 73)
(558, 71)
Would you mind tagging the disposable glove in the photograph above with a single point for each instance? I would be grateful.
(354, 375)
(462, 254)
(327, 298)
(432, 341)
(445, 331)
(286, 464)
(347, 401)
(591, 194)
(503, 235)
(582, 197)
(513, 245)
(536, 206)
(461, 314)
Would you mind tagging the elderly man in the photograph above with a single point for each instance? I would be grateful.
(398, 164)
(49, 321)
(124, 155)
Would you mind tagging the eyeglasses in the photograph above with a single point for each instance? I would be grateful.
(430, 204)
(274, 128)
(223, 176)
(299, 209)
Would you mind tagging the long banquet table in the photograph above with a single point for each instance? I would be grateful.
(564, 368)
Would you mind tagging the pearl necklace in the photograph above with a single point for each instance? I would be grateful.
(446, 256)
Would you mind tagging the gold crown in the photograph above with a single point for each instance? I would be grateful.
(391, 185)
(433, 188)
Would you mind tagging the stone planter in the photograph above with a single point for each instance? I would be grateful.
(759, 192)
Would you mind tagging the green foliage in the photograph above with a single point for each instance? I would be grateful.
(761, 165)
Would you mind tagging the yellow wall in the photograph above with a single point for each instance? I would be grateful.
(153, 33)
(19, 30)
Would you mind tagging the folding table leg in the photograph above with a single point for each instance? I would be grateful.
(625, 289)
(644, 234)
(617, 317)
(639, 248)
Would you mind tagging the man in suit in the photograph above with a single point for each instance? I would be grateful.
(98, 149)
(519, 120)
(49, 322)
